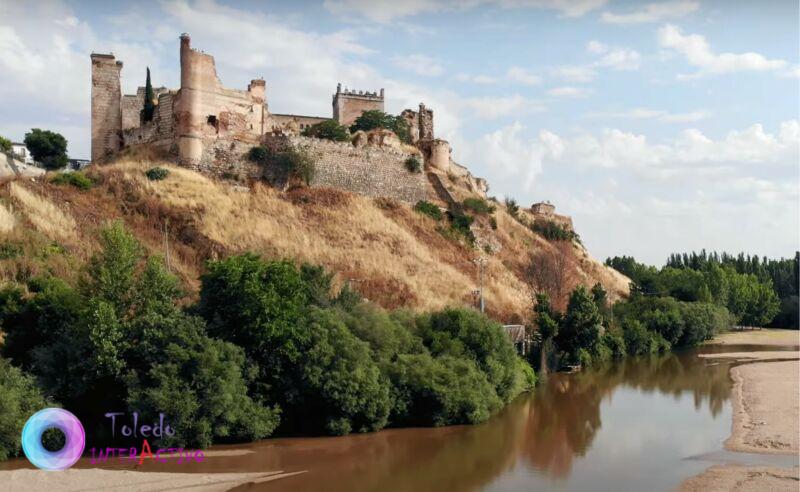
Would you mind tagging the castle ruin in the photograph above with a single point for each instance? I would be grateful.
(208, 127)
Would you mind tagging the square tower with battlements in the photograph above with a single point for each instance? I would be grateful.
(349, 104)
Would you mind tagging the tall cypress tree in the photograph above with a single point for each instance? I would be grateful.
(149, 106)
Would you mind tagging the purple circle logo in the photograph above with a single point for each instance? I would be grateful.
(53, 418)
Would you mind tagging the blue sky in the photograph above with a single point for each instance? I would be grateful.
(659, 126)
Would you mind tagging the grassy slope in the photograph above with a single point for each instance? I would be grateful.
(390, 254)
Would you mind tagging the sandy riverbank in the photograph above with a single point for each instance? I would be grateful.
(767, 336)
(766, 412)
(86, 479)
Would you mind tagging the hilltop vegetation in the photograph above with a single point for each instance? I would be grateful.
(389, 253)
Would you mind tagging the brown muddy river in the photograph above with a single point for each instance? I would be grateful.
(641, 424)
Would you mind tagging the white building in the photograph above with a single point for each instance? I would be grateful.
(22, 152)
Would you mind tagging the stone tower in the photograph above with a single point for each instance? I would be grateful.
(195, 79)
(106, 105)
(348, 105)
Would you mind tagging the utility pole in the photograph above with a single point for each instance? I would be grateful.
(481, 261)
(166, 245)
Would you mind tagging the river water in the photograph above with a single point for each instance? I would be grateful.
(639, 424)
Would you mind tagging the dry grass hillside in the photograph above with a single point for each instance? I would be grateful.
(388, 252)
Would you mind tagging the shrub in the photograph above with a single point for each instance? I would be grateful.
(291, 162)
(19, 399)
(640, 341)
(413, 165)
(375, 118)
(5, 144)
(478, 205)
(552, 231)
(439, 391)
(328, 130)
(512, 207)
(429, 209)
(466, 333)
(258, 154)
(74, 178)
(460, 224)
(156, 173)
(493, 223)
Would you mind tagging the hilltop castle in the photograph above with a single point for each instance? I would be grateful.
(208, 127)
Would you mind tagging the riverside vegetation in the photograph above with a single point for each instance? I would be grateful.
(267, 348)
(683, 304)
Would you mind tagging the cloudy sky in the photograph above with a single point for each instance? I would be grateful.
(660, 127)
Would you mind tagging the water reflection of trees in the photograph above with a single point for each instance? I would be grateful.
(566, 412)
(546, 430)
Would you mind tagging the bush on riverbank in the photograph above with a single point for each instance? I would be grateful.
(19, 399)
(335, 368)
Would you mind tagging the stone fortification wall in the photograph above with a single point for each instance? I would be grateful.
(132, 105)
(292, 123)
(369, 170)
(160, 132)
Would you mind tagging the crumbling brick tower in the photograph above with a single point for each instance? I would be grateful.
(348, 105)
(106, 106)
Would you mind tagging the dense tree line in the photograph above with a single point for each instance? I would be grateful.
(783, 273)
(267, 348)
(757, 291)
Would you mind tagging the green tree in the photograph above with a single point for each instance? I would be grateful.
(466, 333)
(546, 321)
(19, 399)
(375, 118)
(47, 148)
(5, 144)
(328, 130)
(581, 327)
(149, 100)
(753, 302)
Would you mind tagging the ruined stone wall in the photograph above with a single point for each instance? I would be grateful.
(160, 132)
(132, 105)
(227, 159)
(369, 170)
(106, 106)
(282, 122)
(206, 111)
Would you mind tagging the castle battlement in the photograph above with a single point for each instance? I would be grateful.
(210, 128)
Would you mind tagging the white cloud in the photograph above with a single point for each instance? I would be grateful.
(616, 58)
(698, 53)
(419, 64)
(522, 76)
(508, 155)
(574, 73)
(385, 11)
(653, 12)
(617, 148)
(570, 92)
(476, 79)
(496, 107)
(655, 114)
(609, 57)
(514, 74)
